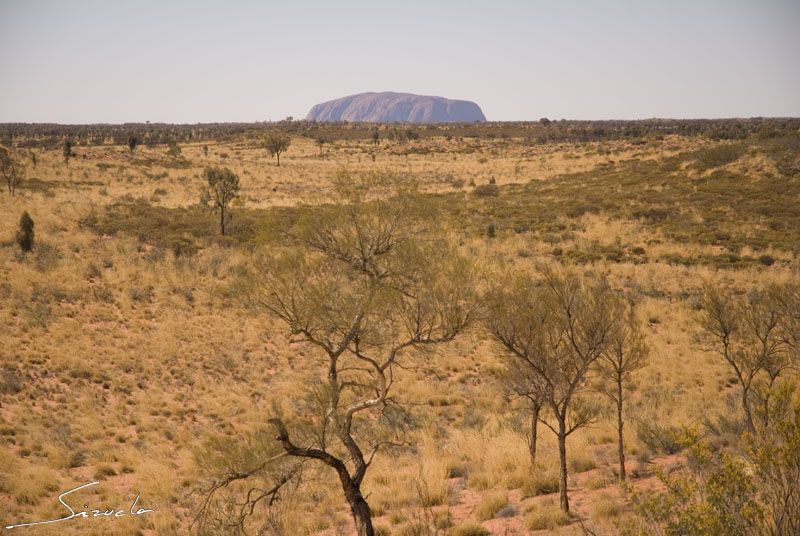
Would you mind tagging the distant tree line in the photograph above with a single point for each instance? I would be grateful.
(50, 135)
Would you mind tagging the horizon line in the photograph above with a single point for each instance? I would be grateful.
(293, 120)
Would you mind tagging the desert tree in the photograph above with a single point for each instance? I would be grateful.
(25, 232)
(367, 286)
(11, 170)
(626, 353)
(376, 137)
(522, 383)
(320, 142)
(276, 143)
(66, 150)
(174, 150)
(132, 142)
(221, 188)
(553, 330)
(746, 332)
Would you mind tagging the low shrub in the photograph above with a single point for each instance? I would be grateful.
(659, 438)
(490, 505)
(546, 518)
(470, 529)
(413, 528)
(605, 508)
(541, 483)
(766, 260)
(487, 190)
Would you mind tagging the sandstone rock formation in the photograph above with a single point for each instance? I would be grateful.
(396, 107)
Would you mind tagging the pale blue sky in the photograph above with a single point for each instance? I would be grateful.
(83, 61)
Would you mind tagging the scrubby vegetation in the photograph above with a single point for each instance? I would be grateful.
(439, 330)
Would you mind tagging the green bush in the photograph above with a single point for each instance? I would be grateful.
(718, 156)
(487, 190)
(662, 439)
(25, 232)
(766, 260)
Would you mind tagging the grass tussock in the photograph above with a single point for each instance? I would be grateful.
(548, 517)
(490, 505)
(470, 529)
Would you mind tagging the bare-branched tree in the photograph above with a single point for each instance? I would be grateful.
(626, 353)
(365, 285)
(748, 331)
(553, 330)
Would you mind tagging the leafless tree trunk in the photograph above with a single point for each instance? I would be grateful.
(626, 353)
(562, 465)
(536, 408)
(351, 484)
(620, 424)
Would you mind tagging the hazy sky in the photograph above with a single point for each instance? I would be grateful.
(109, 61)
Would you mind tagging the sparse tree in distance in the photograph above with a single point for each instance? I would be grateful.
(553, 331)
(174, 150)
(376, 137)
(66, 149)
(25, 232)
(222, 187)
(10, 169)
(205, 150)
(545, 122)
(277, 143)
(626, 353)
(320, 142)
(362, 288)
(132, 142)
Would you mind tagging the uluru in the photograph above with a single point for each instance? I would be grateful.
(390, 107)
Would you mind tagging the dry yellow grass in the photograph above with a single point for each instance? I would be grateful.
(118, 358)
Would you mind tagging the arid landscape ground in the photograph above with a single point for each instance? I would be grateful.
(130, 357)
